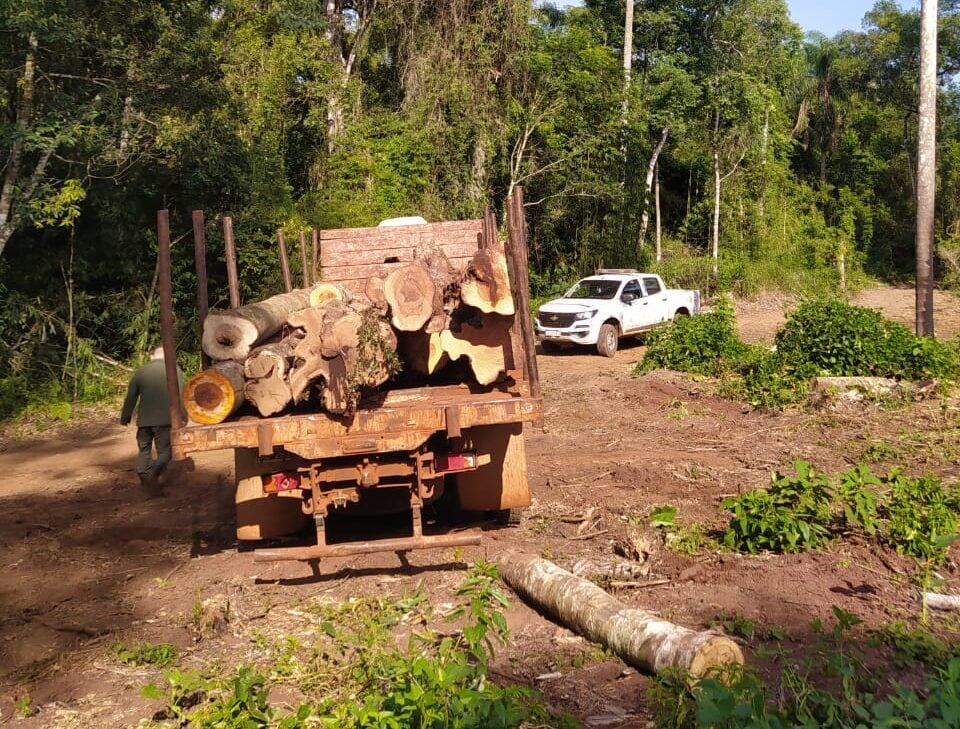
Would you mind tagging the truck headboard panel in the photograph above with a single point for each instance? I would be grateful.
(350, 256)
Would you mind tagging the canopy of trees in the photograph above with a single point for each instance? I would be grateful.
(791, 157)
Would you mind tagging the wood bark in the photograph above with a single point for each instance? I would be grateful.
(266, 370)
(640, 638)
(482, 343)
(345, 349)
(211, 396)
(926, 166)
(486, 282)
(411, 292)
(656, 209)
(445, 286)
(233, 334)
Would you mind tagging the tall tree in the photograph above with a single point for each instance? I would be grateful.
(926, 166)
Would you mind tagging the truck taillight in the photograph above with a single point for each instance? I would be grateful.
(274, 482)
(453, 462)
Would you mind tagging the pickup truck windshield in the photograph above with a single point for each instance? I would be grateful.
(593, 288)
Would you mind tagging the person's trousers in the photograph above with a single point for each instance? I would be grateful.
(147, 437)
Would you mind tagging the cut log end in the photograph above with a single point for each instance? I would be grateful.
(482, 345)
(211, 396)
(410, 291)
(717, 652)
(486, 283)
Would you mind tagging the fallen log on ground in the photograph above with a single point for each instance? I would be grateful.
(938, 601)
(877, 386)
(233, 333)
(640, 638)
(211, 396)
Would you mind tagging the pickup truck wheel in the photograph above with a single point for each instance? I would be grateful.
(608, 340)
(680, 315)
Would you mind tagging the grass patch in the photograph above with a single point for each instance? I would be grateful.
(159, 655)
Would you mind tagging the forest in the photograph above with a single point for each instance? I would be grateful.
(736, 153)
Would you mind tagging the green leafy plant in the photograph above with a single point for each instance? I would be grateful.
(160, 655)
(663, 517)
(857, 492)
(706, 344)
(791, 515)
(921, 515)
(23, 706)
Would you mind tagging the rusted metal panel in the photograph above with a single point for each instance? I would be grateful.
(405, 420)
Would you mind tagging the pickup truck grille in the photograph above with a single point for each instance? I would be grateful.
(558, 321)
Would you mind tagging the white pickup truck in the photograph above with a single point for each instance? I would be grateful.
(614, 303)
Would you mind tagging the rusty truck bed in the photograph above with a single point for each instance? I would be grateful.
(398, 420)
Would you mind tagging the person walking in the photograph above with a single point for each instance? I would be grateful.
(148, 386)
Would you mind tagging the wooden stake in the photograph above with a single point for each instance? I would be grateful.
(284, 262)
(200, 266)
(516, 251)
(230, 254)
(166, 317)
(304, 269)
(315, 252)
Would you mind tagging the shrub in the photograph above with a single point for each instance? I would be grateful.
(790, 516)
(706, 344)
(836, 338)
(921, 515)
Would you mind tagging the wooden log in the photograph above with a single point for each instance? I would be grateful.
(345, 349)
(446, 295)
(486, 283)
(877, 386)
(284, 262)
(321, 293)
(482, 343)
(938, 601)
(410, 291)
(211, 396)
(374, 291)
(233, 334)
(640, 638)
(304, 266)
(422, 352)
(266, 370)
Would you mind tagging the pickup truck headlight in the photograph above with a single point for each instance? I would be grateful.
(583, 315)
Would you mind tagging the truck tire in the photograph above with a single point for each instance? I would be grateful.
(680, 314)
(608, 340)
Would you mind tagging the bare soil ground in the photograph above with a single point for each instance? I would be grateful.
(88, 560)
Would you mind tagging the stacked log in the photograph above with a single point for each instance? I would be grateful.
(327, 344)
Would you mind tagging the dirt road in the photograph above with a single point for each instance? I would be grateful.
(89, 561)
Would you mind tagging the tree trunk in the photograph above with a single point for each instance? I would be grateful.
(764, 144)
(482, 344)
(334, 13)
(232, 334)
(656, 208)
(15, 159)
(211, 396)
(926, 166)
(716, 214)
(654, 159)
(627, 72)
(486, 284)
(640, 638)
(411, 292)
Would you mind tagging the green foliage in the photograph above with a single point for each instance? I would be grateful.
(916, 516)
(663, 516)
(837, 338)
(159, 655)
(791, 515)
(355, 676)
(24, 707)
(706, 344)
(832, 688)
(914, 645)
(921, 515)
